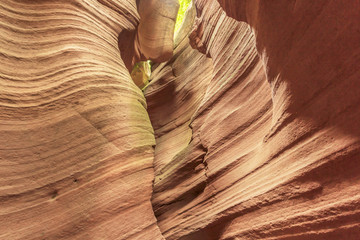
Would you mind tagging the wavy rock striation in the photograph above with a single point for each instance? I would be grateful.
(196, 172)
(76, 155)
(274, 147)
(256, 123)
(153, 37)
(311, 53)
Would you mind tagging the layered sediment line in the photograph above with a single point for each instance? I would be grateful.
(235, 101)
(274, 143)
(153, 37)
(76, 142)
(251, 123)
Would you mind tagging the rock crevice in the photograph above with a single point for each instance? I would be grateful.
(268, 137)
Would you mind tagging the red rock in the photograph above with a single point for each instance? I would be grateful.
(272, 155)
(256, 128)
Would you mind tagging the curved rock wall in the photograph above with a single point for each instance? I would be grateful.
(76, 142)
(311, 53)
(274, 149)
(198, 173)
(156, 28)
(174, 94)
(153, 37)
(256, 129)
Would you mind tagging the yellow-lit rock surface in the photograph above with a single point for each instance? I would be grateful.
(141, 73)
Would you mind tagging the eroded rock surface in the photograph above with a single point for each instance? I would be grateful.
(153, 37)
(274, 148)
(256, 123)
(76, 152)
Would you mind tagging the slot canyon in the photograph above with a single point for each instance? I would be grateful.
(180, 120)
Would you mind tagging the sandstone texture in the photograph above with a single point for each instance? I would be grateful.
(249, 127)
(76, 149)
(274, 145)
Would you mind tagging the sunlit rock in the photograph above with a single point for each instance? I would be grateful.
(246, 127)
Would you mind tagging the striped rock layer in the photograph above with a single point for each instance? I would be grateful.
(249, 129)
(263, 143)
(76, 143)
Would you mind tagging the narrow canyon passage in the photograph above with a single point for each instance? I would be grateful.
(240, 121)
(240, 153)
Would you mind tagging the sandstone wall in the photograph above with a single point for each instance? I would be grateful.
(274, 148)
(256, 123)
(76, 142)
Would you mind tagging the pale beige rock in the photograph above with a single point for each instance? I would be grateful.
(154, 38)
(76, 156)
